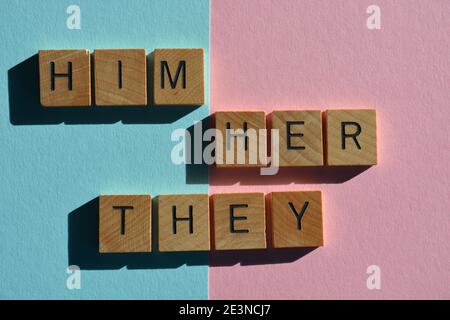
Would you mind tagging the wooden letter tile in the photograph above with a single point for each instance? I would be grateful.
(239, 221)
(351, 137)
(120, 77)
(300, 135)
(296, 219)
(65, 78)
(241, 148)
(125, 223)
(178, 77)
(183, 221)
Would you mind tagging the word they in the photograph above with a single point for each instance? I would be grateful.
(120, 77)
(239, 221)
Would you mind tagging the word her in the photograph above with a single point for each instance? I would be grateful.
(120, 77)
(239, 221)
(240, 139)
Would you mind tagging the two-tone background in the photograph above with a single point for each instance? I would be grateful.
(260, 55)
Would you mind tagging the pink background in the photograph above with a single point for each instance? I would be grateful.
(269, 55)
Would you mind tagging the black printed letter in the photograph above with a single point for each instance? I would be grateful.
(175, 219)
(232, 218)
(122, 216)
(345, 135)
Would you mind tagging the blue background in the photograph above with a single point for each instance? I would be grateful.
(54, 163)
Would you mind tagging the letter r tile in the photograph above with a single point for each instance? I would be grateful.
(351, 137)
(125, 223)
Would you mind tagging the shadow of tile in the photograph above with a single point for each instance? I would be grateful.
(297, 175)
(257, 257)
(25, 108)
(197, 171)
(83, 246)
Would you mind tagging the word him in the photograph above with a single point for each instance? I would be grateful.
(120, 77)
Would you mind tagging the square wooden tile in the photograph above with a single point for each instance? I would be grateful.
(300, 137)
(125, 223)
(178, 77)
(65, 78)
(120, 77)
(296, 219)
(183, 221)
(241, 148)
(351, 137)
(239, 221)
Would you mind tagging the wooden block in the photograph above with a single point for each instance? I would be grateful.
(300, 135)
(351, 137)
(65, 78)
(236, 149)
(296, 219)
(120, 77)
(125, 223)
(239, 221)
(183, 221)
(178, 77)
